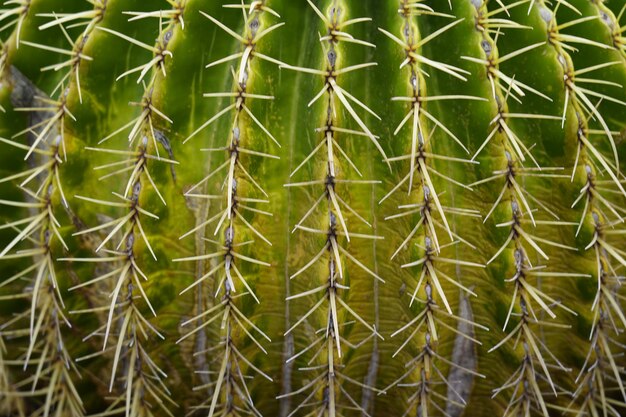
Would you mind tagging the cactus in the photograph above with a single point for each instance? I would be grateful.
(313, 208)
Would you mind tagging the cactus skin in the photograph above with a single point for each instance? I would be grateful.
(169, 253)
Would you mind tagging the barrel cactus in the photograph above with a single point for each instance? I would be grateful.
(313, 208)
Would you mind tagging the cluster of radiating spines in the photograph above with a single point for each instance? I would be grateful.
(55, 109)
(71, 67)
(528, 304)
(232, 225)
(424, 374)
(41, 183)
(12, 15)
(600, 376)
(326, 392)
(125, 329)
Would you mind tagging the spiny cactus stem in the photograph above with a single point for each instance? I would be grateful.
(94, 17)
(142, 376)
(57, 110)
(578, 95)
(599, 364)
(423, 400)
(334, 96)
(222, 331)
(231, 380)
(526, 391)
(46, 308)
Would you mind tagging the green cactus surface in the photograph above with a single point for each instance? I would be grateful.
(316, 208)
